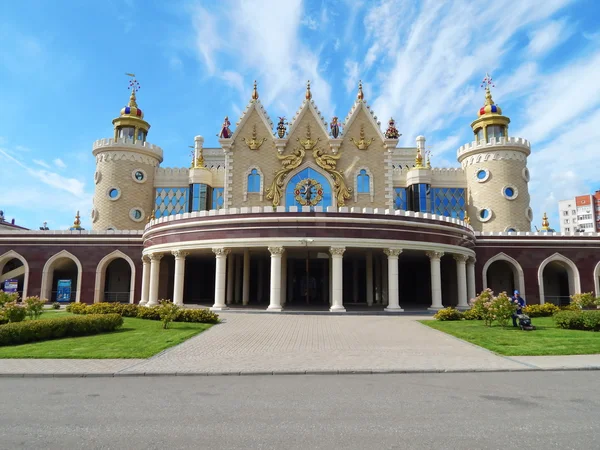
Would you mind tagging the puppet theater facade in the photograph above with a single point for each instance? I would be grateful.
(306, 215)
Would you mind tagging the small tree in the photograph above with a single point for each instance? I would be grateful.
(168, 312)
(503, 308)
(35, 307)
(481, 306)
(14, 312)
(583, 300)
(6, 297)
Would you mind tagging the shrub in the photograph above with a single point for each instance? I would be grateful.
(76, 308)
(578, 320)
(14, 312)
(493, 309)
(480, 306)
(545, 310)
(3, 318)
(168, 312)
(41, 330)
(449, 313)
(7, 297)
(472, 314)
(197, 315)
(34, 306)
(149, 312)
(583, 300)
(55, 305)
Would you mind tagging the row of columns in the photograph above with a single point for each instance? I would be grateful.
(224, 279)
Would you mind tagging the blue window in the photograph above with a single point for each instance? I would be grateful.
(171, 201)
(217, 198)
(449, 202)
(400, 198)
(198, 197)
(290, 194)
(363, 182)
(481, 174)
(420, 198)
(484, 213)
(254, 181)
(113, 193)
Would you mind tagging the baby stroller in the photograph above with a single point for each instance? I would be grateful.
(525, 322)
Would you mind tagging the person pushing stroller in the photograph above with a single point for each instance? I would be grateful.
(521, 302)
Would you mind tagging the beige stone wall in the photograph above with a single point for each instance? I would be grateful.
(115, 169)
(506, 213)
(266, 160)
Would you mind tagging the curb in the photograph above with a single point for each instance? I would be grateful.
(287, 372)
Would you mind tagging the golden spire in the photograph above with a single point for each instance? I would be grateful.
(467, 219)
(488, 96)
(77, 222)
(308, 93)
(360, 95)
(429, 159)
(255, 92)
(132, 100)
(419, 160)
(545, 223)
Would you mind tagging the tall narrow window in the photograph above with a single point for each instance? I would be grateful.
(254, 181)
(363, 182)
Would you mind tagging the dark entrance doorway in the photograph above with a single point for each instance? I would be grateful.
(308, 282)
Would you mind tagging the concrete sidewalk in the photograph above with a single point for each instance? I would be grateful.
(246, 344)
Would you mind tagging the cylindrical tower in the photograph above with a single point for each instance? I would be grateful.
(125, 168)
(497, 176)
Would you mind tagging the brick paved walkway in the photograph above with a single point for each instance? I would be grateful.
(274, 343)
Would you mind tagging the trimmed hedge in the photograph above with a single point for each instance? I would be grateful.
(43, 330)
(578, 320)
(143, 312)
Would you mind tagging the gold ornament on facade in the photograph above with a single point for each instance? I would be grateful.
(308, 95)
(197, 161)
(360, 96)
(419, 160)
(467, 219)
(362, 143)
(152, 216)
(308, 192)
(254, 92)
(308, 143)
(254, 144)
(545, 223)
(288, 163)
(341, 192)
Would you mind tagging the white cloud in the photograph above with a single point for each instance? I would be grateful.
(208, 40)
(39, 162)
(59, 163)
(548, 36)
(336, 44)
(351, 71)
(235, 80)
(310, 23)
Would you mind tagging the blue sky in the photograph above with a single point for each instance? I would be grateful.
(62, 81)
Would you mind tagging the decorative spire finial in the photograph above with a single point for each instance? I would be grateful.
(77, 222)
(467, 219)
(255, 92)
(134, 85)
(392, 131)
(360, 95)
(487, 82)
(545, 223)
(308, 93)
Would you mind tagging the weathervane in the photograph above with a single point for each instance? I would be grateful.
(134, 85)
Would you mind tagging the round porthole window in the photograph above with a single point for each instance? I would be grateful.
(97, 176)
(510, 192)
(114, 193)
(94, 215)
(482, 175)
(510, 230)
(485, 214)
(139, 176)
(136, 214)
(525, 174)
(529, 214)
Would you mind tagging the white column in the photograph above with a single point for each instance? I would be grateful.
(378, 280)
(330, 281)
(179, 276)
(471, 278)
(393, 292)
(220, 272)
(369, 278)
(461, 279)
(238, 280)
(436, 280)
(145, 279)
(283, 279)
(275, 297)
(337, 279)
(384, 282)
(154, 277)
(230, 279)
(246, 284)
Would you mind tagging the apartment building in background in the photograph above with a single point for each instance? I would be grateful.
(580, 214)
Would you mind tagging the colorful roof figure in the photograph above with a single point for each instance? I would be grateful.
(132, 110)
(489, 107)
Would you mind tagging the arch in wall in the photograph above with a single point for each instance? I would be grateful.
(597, 279)
(309, 169)
(9, 255)
(518, 274)
(48, 274)
(574, 282)
(101, 275)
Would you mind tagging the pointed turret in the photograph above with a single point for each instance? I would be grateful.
(131, 124)
(490, 123)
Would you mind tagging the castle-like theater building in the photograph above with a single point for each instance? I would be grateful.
(306, 214)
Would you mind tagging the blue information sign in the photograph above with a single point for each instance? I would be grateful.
(63, 291)
(11, 285)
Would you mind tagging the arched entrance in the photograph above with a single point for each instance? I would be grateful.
(503, 273)
(597, 279)
(115, 279)
(65, 267)
(14, 267)
(558, 279)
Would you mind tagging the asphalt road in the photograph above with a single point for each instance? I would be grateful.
(540, 410)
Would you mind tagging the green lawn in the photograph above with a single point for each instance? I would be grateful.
(547, 339)
(137, 338)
